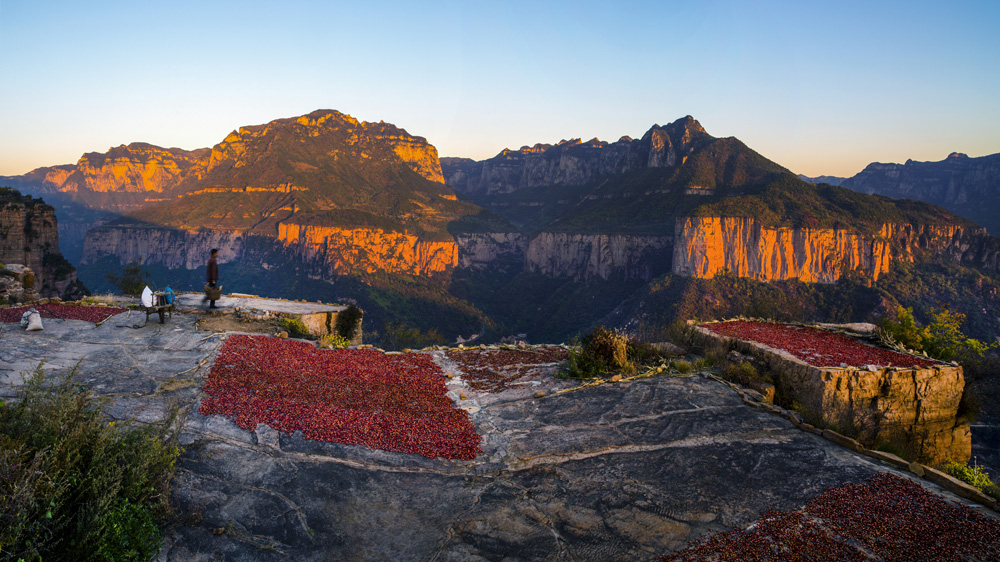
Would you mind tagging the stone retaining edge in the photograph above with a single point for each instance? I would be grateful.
(754, 399)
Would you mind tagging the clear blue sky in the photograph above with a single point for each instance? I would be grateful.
(821, 87)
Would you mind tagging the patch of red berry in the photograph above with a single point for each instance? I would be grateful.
(349, 396)
(89, 313)
(892, 518)
(492, 370)
(814, 346)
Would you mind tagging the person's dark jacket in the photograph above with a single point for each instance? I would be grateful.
(213, 272)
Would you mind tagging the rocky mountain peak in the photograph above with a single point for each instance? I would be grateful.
(957, 155)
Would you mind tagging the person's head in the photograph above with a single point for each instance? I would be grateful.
(215, 252)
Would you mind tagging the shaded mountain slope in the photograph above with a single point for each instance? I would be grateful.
(967, 186)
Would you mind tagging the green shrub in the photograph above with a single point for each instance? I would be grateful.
(701, 363)
(74, 486)
(972, 475)
(744, 374)
(295, 327)
(941, 339)
(682, 366)
(334, 341)
(641, 353)
(602, 351)
(349, 321)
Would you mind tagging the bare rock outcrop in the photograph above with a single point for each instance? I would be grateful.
(573, 162)
(343, 250)
(706, 246)
(173, 248)
(913, 409)
(29, 236)
(969, 187)
(582, 256)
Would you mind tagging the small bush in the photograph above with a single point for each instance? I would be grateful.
(295, 327)
(641, 353)
(744, 374)
(682, 366)
(974, 476)
(334, 341)
(717, 354)
(74, 486)
(701, 363)
(349, 321)
(602, 351)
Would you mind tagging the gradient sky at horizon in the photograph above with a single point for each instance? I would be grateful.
(820, 87)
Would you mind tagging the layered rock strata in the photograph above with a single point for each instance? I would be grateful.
(707, 246)
(343, 250)
(912, 409)
(173, 248)
(29, 236)
(582, 256)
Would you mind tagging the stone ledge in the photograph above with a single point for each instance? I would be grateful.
(946, 481)
(872, 398)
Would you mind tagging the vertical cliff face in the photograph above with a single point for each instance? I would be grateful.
(705, 246)
(176, 249)
(325, 251)
(29, 236)
(502, 251)
(574, 162)
(582, 256)
(339, 251)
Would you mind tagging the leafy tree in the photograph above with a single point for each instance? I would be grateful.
(942, 338)
(132, 279)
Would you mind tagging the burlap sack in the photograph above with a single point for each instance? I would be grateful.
(34, 322)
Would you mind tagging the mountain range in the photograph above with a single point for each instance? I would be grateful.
(545, 240)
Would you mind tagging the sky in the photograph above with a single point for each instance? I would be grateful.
(821, 87)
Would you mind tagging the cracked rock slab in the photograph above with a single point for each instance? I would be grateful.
(623, 471)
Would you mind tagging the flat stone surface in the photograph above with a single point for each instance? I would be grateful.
(622, 471)
(196, 301)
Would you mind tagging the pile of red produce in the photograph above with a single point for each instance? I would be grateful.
(349, 396)
(816, 347)
(492, 370)
(93, 314)
(887, 516)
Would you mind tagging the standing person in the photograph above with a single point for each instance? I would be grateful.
(212, 275)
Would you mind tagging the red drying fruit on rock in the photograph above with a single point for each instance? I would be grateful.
(89, 313)
(816, 347)
(492, 370)
(889, 517)
(349, 396)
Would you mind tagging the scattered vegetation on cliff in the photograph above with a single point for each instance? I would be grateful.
(295, 327)
(789, 201)
(942, 338)
(11, 195)
(604, 351)
(974, 475)
(76, 486)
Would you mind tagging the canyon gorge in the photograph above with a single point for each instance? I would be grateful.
(333, 197)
